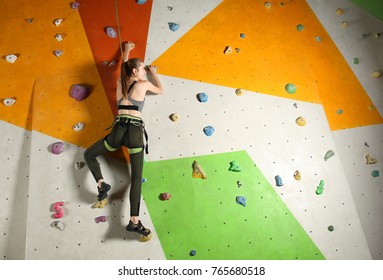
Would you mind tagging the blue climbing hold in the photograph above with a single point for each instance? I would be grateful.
(173, 26)
(208, 130)
(140, 1)
(202, 97)
(192, 253)
(278, 181)
(241, 200)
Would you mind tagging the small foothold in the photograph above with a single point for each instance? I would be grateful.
(366, 144)
(111, 32)
(300, 121)
(208, 130)
(329, 154)
(197, 171)
(241, 200)
(58, 21)
(202, 97)
(278, 181)
(375, 173)
(297, 175)
(339, 11)
(227, 50)
(79, 164)
(58, 224)
(356, 60)
(170, 8)
(173, 26)
(192, 253)
(290, 88)
(174, 117)
(376, 74)
(267, 5)
(78, 126)
(140, 1)
(295, 105)
(370, 159)
(318, 38)
(330, 228)
(100, 219)
(58, 53)
(377, 35)
(59, 212)
(239, 91)
(165, 196)
(234, 166)
(364, 35)
(238, 50)
(9, 101)
(242, 35)
(79, 92)
(100, 204)
(74, 5)
(11, 58)
(239, 184)
(339, 111)
(29, 20)
(300, 27)
(344, 24)
(143, 180)
(59, 37)
(57, 148)
(320, 188)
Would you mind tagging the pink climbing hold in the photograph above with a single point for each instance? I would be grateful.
(57, 148)
(59, 211)
(79, 92)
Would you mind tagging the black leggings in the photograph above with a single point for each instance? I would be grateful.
(127, 131)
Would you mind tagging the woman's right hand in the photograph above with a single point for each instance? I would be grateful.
(129, 46)
(151, 68)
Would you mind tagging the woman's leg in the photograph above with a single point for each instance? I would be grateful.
(90, 157)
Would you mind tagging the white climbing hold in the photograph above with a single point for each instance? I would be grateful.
(111, 32)
(58, 53)
(78, 126)
(58, 224)
(58, 21)
(11, 58)
(9, 101)
(59, 37)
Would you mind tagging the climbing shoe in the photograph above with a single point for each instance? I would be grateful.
(103, 191)
(138, 228)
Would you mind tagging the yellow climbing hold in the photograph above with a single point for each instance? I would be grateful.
(344, 24)
(339, 11)
(174, 117)
(239, 91)
(300, 121)
(370, 159)
(197, 171)
(376, 74)
(100, 204)
(297, 175)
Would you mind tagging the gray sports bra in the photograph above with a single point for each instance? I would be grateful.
(137, 105)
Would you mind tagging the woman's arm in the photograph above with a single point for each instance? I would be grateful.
(128, 47)
(155, 87)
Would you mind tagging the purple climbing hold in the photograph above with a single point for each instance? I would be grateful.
(57, 148)
(74, 5)
(79, 92)
(111, 32)
(241, 200)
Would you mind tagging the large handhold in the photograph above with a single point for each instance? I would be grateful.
(11, 58)
(79, 92)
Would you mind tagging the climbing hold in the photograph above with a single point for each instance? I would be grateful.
(173, 26)
(241, 200)
(339, 11)
(237, 50)
(107, 63)
(111, 32)
(59, 37)
(57, 148)
(339, 111)
(208, 130)
(297, 175)
(140, 1)
(9, 101)
(239, 184)
(376, 74)
(300, 121)
(370, 159)
(344, 24)
(328, 154)
(79, 164)
(202, 97)
(319, 189)
(58, 21)
(330, 228)
(366, 144)
(356, 60)
(74, 5)
(192, 253)
(11, 58)
(197, 171)
(100, 204)
(170, 8)
(174, 117)
(227, 50)
(375, 173)
(143, 180)
(364, 35)
(377, 35)
(318, 38)
(59, 212)
(278, 181)
(58, 224)
(100, 219)
(242, 35)
(300, 27)
(78, 126)
(79, 92)
(165, 196)
(290, 88)
(234, 166)
(29, 20)
(58, 53)
(239, 91)
(267, 5)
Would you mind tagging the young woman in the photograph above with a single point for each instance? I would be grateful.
(127, 130)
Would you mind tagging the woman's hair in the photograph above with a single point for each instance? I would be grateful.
(127, 71)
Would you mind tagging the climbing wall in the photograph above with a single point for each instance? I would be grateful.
(294, 59)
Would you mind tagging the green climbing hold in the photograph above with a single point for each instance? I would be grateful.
(356, 60)
(375, 173)
(330, 228)
(320, 187)
(300, 27)
(329, 154)
(290, 88)
(234, 167)
(340, 111)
